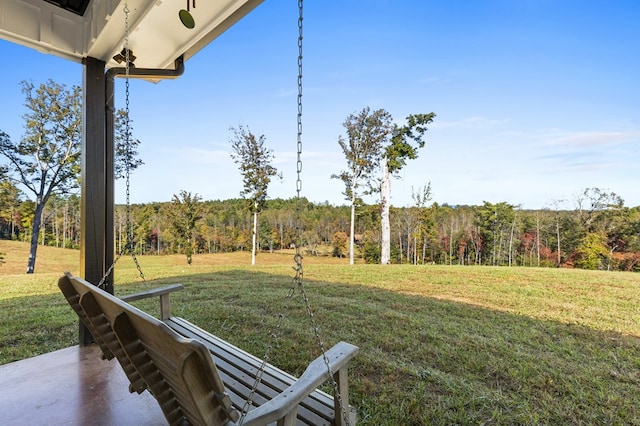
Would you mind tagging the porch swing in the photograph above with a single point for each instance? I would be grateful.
(196, 377)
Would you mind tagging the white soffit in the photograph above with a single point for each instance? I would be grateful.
(156, 36)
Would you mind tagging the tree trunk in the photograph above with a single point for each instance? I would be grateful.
(385, 225)
(558, 238)
(451, 243)
(408, 244)
(255, 231)
(513, 226)
(65, 225)
(538, 237)
(13, 224)
(35, 231)
(352, 228)
(43, 228)
(424, 250)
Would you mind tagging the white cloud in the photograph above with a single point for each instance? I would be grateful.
(592, 139)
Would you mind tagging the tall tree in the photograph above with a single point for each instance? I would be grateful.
(366, 133)
(556, 203)
(254, 160)
(494, 221)
(47, 157)
(403, 145)
(425, 224)
(184, 212)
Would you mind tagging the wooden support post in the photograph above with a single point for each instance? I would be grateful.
(96, 228)
(341, 378)
(165, 307)
(164, 292)
(289, 419)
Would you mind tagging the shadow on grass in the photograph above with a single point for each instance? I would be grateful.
(422, 360)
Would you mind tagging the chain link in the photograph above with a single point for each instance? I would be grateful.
(298, 282)
(297, 257)
(127, 135)
(267, 357)
(299, 137)
(129, 246)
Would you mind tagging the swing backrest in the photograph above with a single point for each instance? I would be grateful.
(178, 372)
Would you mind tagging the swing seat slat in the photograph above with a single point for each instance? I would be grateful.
(238, 369)
(198, 377)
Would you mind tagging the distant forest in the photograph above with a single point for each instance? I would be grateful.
(600, 233)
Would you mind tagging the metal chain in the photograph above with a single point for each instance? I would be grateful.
(267, 356)
(127, 135)
(299, 136)
(298, 279)
(298, 268)
(298, 257)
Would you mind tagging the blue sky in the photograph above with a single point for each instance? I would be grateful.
(535, 99)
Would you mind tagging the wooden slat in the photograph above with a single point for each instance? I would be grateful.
(152, 293)
(100, 325)
(73, 298)
(134, 350)
(240, 369)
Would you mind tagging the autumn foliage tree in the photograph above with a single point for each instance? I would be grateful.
(592, 253)
(185, 211)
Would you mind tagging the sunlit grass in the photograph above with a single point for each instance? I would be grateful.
(439, 344)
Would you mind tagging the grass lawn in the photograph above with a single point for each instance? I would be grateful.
(439, 344)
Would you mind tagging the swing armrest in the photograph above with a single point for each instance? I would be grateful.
(284, 405)
(163, 293)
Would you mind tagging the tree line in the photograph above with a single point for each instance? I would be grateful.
(598, 233)
(46, 163)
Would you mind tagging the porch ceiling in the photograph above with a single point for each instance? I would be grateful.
(75, 29)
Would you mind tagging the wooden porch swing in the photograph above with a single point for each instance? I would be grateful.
(196, 377)
(199, 378)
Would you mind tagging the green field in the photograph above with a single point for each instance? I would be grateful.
(439, 344)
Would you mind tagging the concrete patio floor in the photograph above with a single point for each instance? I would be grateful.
(72, 386)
